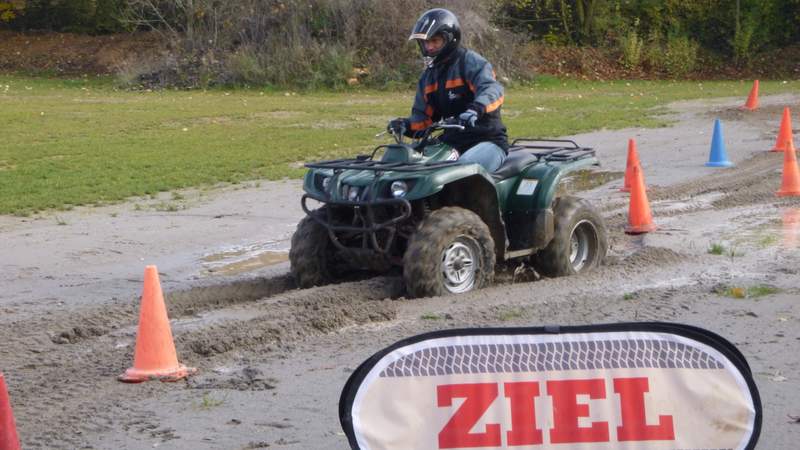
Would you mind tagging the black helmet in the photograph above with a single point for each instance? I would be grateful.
(433, 22)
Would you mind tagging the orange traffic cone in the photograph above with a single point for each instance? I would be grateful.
(791, 175)
(633, 160)
(8, 430)
(155, 356)
(752, 99)
(791, 228)
(784, 133)
(639, 218)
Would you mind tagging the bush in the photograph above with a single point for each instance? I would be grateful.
(742, 43)
(311, 43)
(83, 16)
(653, 52)
(680, 56)
(631, 46)
(9, 11)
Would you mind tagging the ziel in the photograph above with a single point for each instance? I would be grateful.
(566, 412)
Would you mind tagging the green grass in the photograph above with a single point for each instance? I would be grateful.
(510, 314)
(430, 316)
(756, 291)
(208, 402)
(83, 142)
(716, 248)
(767, 241)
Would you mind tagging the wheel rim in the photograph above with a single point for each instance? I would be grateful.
(460, 263)
(583, 245)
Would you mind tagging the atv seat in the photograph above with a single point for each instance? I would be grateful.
(517, 160)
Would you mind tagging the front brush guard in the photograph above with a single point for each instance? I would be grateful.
(370, 227)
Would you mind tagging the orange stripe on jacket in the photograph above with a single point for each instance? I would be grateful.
(494, 105)
(454, 83)
(417, 126)
(430, 88)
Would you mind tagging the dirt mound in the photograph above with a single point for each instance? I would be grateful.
(653, 256)
(296, 315)
(766, 118)
(753, 181)
(93, 322)
(77, 54)
(74, 54)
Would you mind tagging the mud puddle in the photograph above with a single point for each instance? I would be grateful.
(755, 229)
(238, 260)
(585, 180)
(780, 229)
(702, 201)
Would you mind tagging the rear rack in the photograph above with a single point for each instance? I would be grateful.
(553, 150)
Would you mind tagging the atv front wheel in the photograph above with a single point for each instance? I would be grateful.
(451, 252)
(311, 255)
(579, 243)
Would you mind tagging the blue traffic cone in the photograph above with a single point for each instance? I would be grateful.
(718, 156)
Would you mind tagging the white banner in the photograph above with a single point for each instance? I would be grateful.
(642, 386)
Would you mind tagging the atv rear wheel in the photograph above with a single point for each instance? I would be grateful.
(579, 243)
(451, 252)
(312, 253)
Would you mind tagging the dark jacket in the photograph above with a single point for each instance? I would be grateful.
(463, 81)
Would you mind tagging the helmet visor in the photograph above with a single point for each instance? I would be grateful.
(423, 30)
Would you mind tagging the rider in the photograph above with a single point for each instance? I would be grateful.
(457, 82)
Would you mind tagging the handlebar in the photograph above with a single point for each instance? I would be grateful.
(421, 136)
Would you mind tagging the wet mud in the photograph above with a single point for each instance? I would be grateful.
(272, 358)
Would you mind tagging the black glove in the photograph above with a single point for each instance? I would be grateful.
(398, 126)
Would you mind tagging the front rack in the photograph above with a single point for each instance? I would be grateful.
(370, 164)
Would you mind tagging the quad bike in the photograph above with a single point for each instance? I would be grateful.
(444, 222)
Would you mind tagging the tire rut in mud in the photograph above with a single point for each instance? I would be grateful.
(753, 181)
(647, 285)
(61, 391)
(91, 322)
(297, 315)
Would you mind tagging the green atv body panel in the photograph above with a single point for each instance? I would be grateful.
(515, 202)
(421, 184)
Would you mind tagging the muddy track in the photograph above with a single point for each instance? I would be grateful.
(62, 367)
(66, 380)
(65, 364)
(66, 383)
(86, 323)
(753, 181)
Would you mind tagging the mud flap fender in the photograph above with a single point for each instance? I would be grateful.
(543, 228)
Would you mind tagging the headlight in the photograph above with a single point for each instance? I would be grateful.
(399, 189)
(326, 183)
(352, 195)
